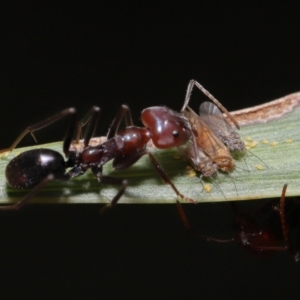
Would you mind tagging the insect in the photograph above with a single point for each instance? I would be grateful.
(208, 144)
(258, 238)
(206, 151)
(211, 115)
(35, 168)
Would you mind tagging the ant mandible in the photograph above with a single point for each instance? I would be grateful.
(35, 168)
(257, 239)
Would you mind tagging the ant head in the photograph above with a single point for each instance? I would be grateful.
(168, 128)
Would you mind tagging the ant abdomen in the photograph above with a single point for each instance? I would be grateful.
(29, 168)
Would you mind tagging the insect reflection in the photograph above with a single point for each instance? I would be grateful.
(263, 234)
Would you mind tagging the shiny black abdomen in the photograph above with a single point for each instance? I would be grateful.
(31, 167)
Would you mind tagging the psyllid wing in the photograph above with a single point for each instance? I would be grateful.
(212, 116)
(206, 139)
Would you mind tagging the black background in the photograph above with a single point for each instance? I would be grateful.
(60, 55)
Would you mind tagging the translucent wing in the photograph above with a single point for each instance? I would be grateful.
(211, 115)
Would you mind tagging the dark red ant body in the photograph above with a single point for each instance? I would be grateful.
(35, 168)
(257, 239)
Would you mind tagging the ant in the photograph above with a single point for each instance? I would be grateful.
(257, 239)
(35, 168)
(210, 154)
(164, 126)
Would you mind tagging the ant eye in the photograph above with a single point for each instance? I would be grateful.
(175, 133)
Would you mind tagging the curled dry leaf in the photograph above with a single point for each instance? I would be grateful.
(267, 112)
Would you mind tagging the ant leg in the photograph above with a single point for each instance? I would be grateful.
(188, 227)
(31, 194)
(162, 173)
(191, 85)
(110, 180)
(284, 226)
(91, 118)
(118, 181)
(40, 125)
(124, 112)
(69, 136)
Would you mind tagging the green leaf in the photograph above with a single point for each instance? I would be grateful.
(278, 147)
